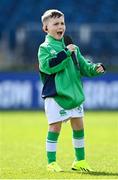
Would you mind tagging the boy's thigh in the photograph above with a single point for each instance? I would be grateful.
(56, 113)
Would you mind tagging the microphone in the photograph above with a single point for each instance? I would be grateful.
(67, 41)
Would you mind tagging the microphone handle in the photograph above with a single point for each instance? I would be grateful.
(75, 60)
(67, 41)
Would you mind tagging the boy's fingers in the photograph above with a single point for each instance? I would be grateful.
(100, 69)
(100, 65)
(71, 47)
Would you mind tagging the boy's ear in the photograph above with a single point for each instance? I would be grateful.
(45, 29)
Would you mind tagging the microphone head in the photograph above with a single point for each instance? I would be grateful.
(67, 40)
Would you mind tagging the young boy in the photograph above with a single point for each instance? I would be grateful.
(62, 88)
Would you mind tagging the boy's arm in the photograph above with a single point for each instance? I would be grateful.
(51, 64)
(87, 68)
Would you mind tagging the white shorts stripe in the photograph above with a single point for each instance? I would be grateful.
(78, 143)
(51, 147)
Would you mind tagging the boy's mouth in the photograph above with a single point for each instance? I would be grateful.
(60, 33)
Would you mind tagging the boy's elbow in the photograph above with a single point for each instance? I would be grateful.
(45, 69)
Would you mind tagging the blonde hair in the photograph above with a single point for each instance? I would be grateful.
(51, 13)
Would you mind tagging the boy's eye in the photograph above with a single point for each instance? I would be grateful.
(56, 24)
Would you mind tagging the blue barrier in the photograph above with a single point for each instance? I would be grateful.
(20, 91)
(101, 92)
(23, 91)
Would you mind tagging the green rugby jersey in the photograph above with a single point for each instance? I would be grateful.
(60, 76)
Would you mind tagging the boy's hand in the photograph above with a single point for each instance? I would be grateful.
(71, 47)
(100, 68)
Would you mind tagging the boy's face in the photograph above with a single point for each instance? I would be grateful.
(56, 27)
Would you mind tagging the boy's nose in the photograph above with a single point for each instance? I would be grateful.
(60, 27)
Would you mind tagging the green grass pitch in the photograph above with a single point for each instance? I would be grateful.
(22, 146)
